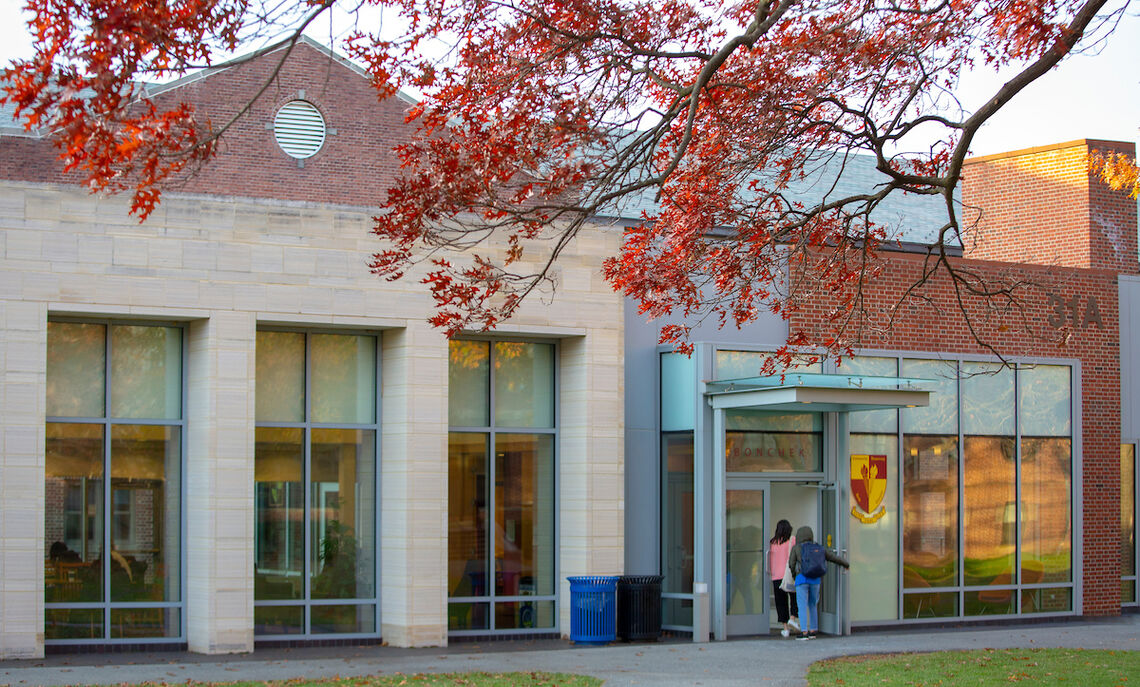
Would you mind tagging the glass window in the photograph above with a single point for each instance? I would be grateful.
(315, 483)
(677, 541)
(874, 537)
(742, 364)
(1128, 522)
(1046, 510)
(469, 383)
(76, 369)
(872, 421)
(1014, 503)
(501, 500)
(930, 512)
(766, 441)
(524, 384)
(280, 377)
(115, 541)
(1044, 401)
(987, 399)
(678, 392)
(344, 379)
(989, 511)
(941, 416)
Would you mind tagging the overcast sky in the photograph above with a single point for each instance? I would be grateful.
(1088, 96)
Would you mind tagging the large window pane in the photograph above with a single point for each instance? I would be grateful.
(76, 369)
(874, 544)
(343, 379)
(1128, 510)
(987, 399)
(742, 364)
(146, 370)
(524, 514)
(279, 542)
(872, 421)
(145, 623)
(469, 383)
(930, 515)
(333, 619)
(524, 384)
(280, 381)
(677, 550)
(73, 518)
(941, 416)
(1046, 510)
(146, 523)
(990, 511)
(467, 535)
(343, 513)
(759, 441)
(1044, 401)
(678, 392)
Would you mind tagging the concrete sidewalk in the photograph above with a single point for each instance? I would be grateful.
(767, 661)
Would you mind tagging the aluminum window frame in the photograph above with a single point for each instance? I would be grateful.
(107, 422)
(306, 426)
(490, 432)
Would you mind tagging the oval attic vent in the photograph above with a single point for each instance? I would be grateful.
(299, 129)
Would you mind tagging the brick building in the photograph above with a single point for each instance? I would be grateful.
(221, 430)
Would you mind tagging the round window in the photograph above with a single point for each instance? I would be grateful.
(299, 129)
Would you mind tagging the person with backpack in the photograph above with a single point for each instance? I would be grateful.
(779, 548)
(808, 562)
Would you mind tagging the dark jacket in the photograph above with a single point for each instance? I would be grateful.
(804, 534)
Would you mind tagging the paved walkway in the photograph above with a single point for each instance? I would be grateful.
(751, 662)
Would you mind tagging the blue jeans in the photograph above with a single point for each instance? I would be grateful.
(807, 598)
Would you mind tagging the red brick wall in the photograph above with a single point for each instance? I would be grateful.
(939, 326)
(1040, 206)
(354, 166)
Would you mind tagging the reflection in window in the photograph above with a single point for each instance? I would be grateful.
(989, 511)
(113, 541)
(677, 542)
(1046, 510)
(1016, 491)
(501, 501)
(930, 512)
(315, 484)
(1128, 488)
(764, 441)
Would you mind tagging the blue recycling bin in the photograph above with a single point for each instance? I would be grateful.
(593, 606)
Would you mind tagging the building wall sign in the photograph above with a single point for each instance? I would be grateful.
(1068, 312)
(868, 486)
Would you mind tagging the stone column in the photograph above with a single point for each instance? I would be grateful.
(591, 455)
(219, 507)
(413, 487)
(23, 378)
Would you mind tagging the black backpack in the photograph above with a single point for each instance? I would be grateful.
(813, 560)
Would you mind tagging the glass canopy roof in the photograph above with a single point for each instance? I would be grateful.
(815, 393)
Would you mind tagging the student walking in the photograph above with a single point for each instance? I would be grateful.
(808, 562)
(779, 548)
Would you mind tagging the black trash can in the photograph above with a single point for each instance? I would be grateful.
(639, 607)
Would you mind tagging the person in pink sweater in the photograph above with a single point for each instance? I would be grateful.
(779, 548)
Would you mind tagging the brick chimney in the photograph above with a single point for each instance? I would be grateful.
(1041, 206)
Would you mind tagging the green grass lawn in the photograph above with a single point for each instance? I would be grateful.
(983, 667)
(440, 680)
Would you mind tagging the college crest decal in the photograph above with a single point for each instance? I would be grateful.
(868, 486)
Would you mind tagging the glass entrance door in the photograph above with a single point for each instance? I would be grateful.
(746, 583)
(833, 615)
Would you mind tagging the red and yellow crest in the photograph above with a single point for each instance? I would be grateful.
(868, 487)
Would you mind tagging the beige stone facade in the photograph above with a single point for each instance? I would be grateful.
(224, 266)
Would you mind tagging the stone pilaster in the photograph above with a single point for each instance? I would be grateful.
(413, 486)
(219, 505)
(23, 378)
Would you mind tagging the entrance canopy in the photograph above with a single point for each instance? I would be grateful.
(818, 393)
